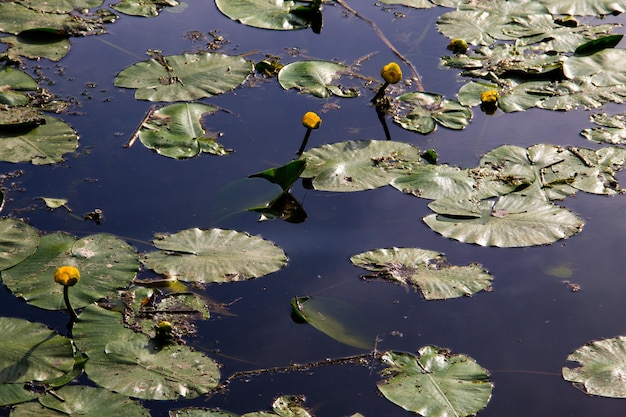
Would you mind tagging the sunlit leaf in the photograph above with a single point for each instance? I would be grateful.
(18, 241)
(421, 112)
(60, 6)
(435, 383)
(265, 14)
(584, 7)
(105, 262)
(425, 270)
(359, 165)
(601, 367)
(184, 77)
(511, 221)
(132, 364)
(604, 68)
(315, 77)
(572, 95)
(336, 319)
(285, 175)
(612, 129)
(14, 82)
(214, 255)
(417, 4)
(145, 8)
(16, 393)
(32, 352)
(596, 45)
(200, 412)
(16, 18)
(32, 46)
(41, 145)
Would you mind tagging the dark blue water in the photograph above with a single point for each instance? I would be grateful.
(522, 331)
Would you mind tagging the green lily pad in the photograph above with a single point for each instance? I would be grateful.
(511, 221)
(41, 145)
(214, 255)
(14, 82)
(264, 14)
(200, 412)
(359, 165)
(105, 262)
(612, 129)
(602, 69)
(175, 131)
(283, 176)
(18, 241)
(132, 364)
(601, 366)
(34, 47)
(16, 393)
(32, 352)
(20, 117)
(435, 383)
(584, 7)
(421, 112)
(572, 95)
(145, 8)
(184, 77)
(316, 78)
(335, 319)
(60, 6)
(425, 270)
(416, 4)
(17, 17)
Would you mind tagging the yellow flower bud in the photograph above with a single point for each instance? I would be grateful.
(67, 275)
(311, 120)
(457, 46)
(391, 73)
(489, 97)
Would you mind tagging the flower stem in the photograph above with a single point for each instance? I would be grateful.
(304, 141)
(380, 93)
(66, 297)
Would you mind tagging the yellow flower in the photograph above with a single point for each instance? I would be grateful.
(391, 73)
(489, 97)
(311, 120)
(458, 46)
(67, 275)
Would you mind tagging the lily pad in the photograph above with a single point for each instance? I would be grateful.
(602, 69)
(184, 77)
(316, 78)
(41, 145)
(18, 241)
(511, 221)
(602, 364)
(435, 383)
(60, 6)
(612, 129)
(175, 131)
(359, 165)
(214, 255)
(584, 7)
(145, 8)
(132, 364)
(32, 352)
(35, 47)
(425, 270)
(421, 112)
(105, 262)
(16, 18)
(264, 14)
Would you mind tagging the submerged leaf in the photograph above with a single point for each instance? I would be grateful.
(425, 270)
(435, 383)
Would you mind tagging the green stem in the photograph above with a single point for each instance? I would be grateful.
(304, 141)
(66, 297)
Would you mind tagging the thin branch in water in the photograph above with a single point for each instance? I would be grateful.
(135, 135)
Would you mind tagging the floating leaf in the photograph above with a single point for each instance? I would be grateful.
(129, 363)
(511, 221)
(425, 270)
(60, 6)
(145, 8)
(572, 95)
(16, 18)
(416, 4)
(201, 412)
(604, 68)
(18, 241)
(596, 45)
(44, 144)
(184, 77)
(612, 129)
(419, 112)
(55, 203)
(315, 77)
(175, 131)
(359, 165)
(264, 14)
(36, 46)
(601, 367)
(435, 383)
(14, 82)
(32, 352)
(284, 176)
(16, 393)
(336, 319)
(105, 262)
(214, 255)
(584, 7)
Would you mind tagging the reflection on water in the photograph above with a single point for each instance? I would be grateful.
(522, 331)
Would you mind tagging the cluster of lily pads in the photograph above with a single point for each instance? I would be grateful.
(129, 334)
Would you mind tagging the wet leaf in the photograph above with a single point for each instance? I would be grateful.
(214, 255)
(264, 14)
(145, 8)
(425, 270)
(34, 47)
(18, 241)
(601, 367)
(511, 221)
(15, 81)
(315, 77)
(596, 45)
(32, 352)
(16, 393)
(17, 17)
(132, 364)
(604, 68)
(60, 6)
(105, 262)
(584, 7)
(184, 77)
(359, 165)
(284, 176)
(420, 112)
(176, 131)
(435, 383)
(572, 95)
(54, 203)
(612, 129)
(417, 4)
(336, 319)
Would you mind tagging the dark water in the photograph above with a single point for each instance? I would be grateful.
(521, 332)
